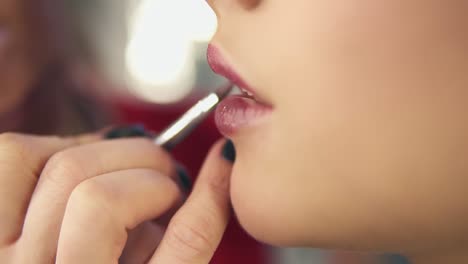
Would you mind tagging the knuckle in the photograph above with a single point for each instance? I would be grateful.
(188, 239)
(63, 167)
(92, 197)
(91, 205)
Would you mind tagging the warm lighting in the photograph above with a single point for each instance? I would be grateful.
(160, 56)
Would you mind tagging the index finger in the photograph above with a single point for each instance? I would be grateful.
(197, 228)
(22, 157)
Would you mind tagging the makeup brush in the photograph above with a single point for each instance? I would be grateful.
(182, 127)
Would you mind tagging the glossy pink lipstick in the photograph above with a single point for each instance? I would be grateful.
(236, 111)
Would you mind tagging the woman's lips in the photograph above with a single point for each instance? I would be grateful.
(220, 66)
(239, 111)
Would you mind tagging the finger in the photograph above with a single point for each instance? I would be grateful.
(197, 228)
(67, 169)
(22, 157)
(142, 242)
(101, 210)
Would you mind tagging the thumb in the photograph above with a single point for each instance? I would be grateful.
(196, 230)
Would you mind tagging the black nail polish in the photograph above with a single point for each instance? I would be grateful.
(184, 179)
(127, 132)
(229, 151)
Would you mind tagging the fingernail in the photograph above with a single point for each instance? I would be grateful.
(229, 151)
(184, 179)
(127, 132)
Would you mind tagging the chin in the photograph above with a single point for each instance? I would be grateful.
(258, 211)
(259, 227)
(278, 215)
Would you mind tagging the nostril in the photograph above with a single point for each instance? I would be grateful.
(226, 6)
(250, 4)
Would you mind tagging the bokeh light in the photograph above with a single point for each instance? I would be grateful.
(160, 55)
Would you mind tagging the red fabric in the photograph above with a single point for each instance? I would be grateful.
(236, 247)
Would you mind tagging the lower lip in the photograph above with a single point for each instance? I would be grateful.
(237, 112)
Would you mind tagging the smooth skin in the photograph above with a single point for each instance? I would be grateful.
(85, 200)
(367, 145)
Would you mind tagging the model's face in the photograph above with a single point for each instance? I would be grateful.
(21, 50)
(367, 145)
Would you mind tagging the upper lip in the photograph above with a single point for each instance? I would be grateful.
(220, 66)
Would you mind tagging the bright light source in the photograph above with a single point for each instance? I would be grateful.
(203, 20)
(160, 56)
(156, 60)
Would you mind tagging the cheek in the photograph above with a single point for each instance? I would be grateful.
(261, 187)
(368, 146)
(366, 184)
(263, 210)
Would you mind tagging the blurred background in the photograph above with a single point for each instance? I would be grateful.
(73, 66)
(153, 49)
